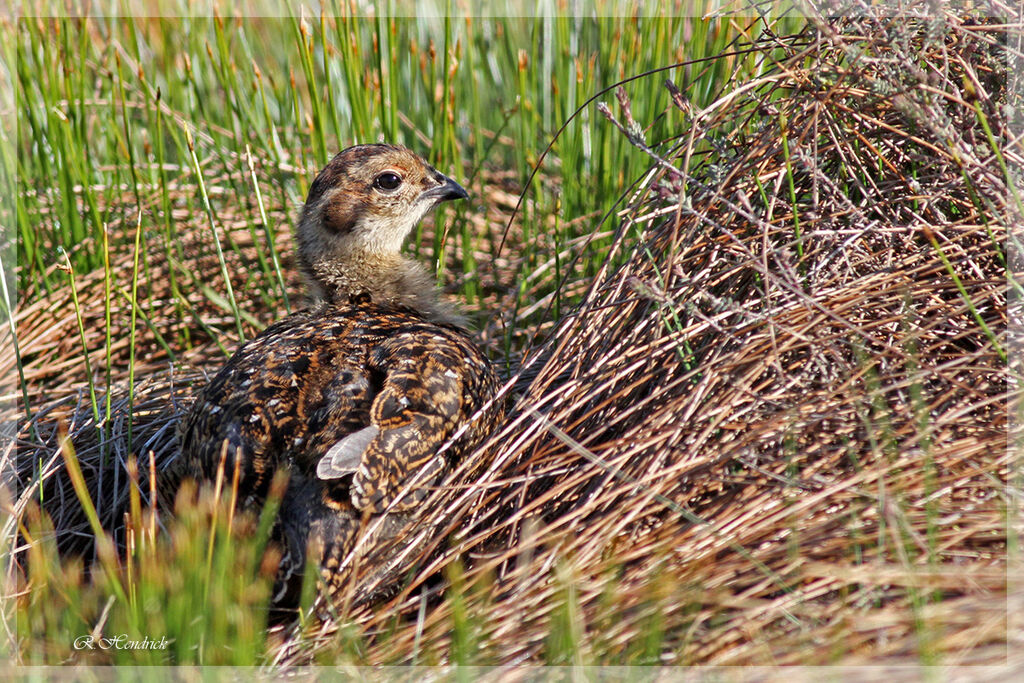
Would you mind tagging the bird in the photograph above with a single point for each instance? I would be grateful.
(356, 394)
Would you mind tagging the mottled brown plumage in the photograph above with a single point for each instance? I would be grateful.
(355, 395)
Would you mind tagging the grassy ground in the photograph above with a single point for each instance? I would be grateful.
(160, 102)
(763, 315)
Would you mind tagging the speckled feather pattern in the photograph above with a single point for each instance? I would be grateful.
(318, 375)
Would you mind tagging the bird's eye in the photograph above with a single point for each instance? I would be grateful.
(387, 181)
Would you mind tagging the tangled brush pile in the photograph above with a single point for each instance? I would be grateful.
(778, 432)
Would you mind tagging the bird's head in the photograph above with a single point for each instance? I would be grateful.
(363, 205)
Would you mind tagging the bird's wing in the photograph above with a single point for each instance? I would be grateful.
(242, 415)
(343, 458)
(419, 406)
(286, 393)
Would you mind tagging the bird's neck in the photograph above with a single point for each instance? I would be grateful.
(388, 278)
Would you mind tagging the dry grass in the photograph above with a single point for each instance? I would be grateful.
(776, 434)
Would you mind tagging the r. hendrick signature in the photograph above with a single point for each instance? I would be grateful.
(121, 642)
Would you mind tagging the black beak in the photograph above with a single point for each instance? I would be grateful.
(446, 191)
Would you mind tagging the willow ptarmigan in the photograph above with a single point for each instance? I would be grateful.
(355, 395)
